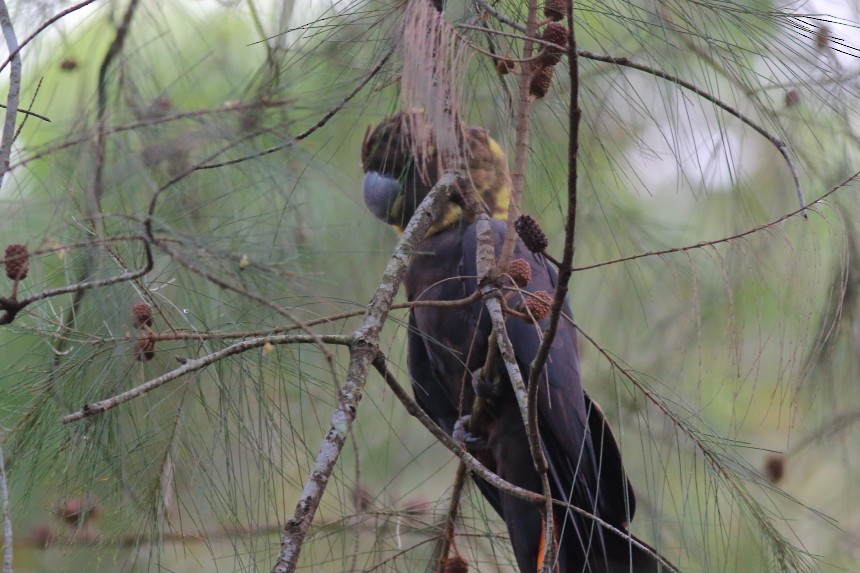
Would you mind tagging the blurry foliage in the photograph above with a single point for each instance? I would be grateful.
(753, 342)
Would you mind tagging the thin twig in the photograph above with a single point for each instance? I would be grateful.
(229, 107)
(564, 269)
(478, 49)
(451, 515)
(486, 30)
(628, 63)
(12, 100)
(363, 350)
(136, 539)
(7, 516)
(42, 27)
(749, 122)
(491, 478)
(518, 174)
(26, 115)
(193, 365)
(28, 112)
(218, 281)
(526, 396)
(197, 335)
(69, 246)
(12, 307)
(156, 195)
(322, 121)
(486, 7)
(528, 409)
(95, 193)
(730, 238)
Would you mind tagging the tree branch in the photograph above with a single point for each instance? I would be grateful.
(321, 123)
(518, 174)
(12, 100)
(471, 462)
(628, 63)
(528, 409)
(7, 517)
(42, 27)
(97, 190)
(801, 211)
(478, 468)
(12, 307)
(451, 515)
(363, 351)
(193, 365)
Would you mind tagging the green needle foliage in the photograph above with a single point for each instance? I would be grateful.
(215, 146)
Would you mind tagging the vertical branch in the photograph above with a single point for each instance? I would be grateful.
(518, 174)
(95, 193)
(524, 395)
(7, 518)
(451, 516)
(12, 100)
(565, 269)
(363, 350)
(566, 266)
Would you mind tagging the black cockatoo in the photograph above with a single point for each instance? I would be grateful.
(401, 163)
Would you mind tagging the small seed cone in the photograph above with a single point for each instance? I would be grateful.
(541, 82)
(537, 306)
(774, 468)
(520, 272)
(141, 315)
(531, 234)
(555, 34)
(555, 10)
(17, 262)
(144, 348)
(792, 98)
(822, 37)
(76, 511)
(504, 66)
(455, 564)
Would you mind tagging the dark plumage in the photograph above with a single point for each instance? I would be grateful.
(446, 345)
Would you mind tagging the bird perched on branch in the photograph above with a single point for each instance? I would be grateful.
(448, 349)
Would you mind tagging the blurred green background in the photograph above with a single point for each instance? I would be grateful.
(752, 344)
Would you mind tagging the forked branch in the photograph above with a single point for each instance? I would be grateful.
(363, 350)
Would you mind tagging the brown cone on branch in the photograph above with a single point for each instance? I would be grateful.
(141, 315)
(41, 536)
(144, 349)
(455, 564)
(555, 10)
(541, 82)
(822, 37)
(504, 66)
(76, 511)
(17, 262)
(531, 234)
(555, 34)
(520, 272)
(792, 97)
(537, 306)
(774, 468)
